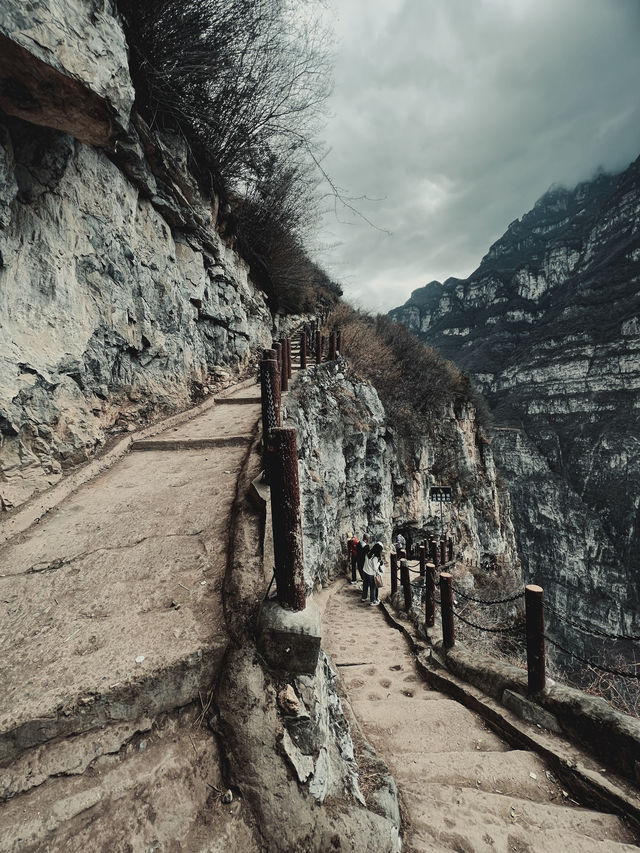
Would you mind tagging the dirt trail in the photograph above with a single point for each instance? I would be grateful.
(112, 628)
(463, 788)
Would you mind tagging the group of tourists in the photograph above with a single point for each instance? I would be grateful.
(366, 560)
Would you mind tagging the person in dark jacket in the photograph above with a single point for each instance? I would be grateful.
(361, 554)
(352, 551)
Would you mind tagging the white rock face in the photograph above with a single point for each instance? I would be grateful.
(358, 475)
(80, 39)
(106, 310)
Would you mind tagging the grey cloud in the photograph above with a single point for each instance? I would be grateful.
(459, 115)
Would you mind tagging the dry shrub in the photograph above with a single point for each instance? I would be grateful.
(414, 382)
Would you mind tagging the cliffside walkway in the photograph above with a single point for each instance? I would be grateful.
(112, 630)
(463, 788)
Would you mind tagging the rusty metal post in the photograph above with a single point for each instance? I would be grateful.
(289, 366)
(533, 599)
(393, 561)
(450, 549)
(285, 514)
(405, 580)
(430, 596)
(318, 347)
(284, 372)
(443, 551)
(303, 350)
(421, 557)
(339, 341)
(446, 608)
(332, 347)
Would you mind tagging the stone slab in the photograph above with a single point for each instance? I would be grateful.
(530, 712)
(289, 640)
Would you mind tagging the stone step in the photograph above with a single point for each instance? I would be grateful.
(513, 773)
(442, 725)
(446, 810)
(190, 443)
(238, 401)
(158, 790)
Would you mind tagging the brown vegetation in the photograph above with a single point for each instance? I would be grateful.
(414, 381)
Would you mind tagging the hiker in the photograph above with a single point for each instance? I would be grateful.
(372, 567)
(361, 554)
(399, 543)
(352, 555)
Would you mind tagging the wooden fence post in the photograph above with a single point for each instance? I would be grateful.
(443, 551)
(277, 346)
(269, 386)
(284, 370)
(450, 549)
(435, 555)
(421, 557)
(318, 347)
(446, 609)
(303, 350)
(393, 560)
(533, 599)
(405, 580)
(286, 520)
(332, 347)
(289, 365)
(429, 600)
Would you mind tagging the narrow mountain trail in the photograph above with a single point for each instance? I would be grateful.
(112, 629)
(463, 788)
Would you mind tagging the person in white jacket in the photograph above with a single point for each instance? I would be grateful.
(372, 566)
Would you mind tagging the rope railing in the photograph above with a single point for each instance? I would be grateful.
(487, 600)
(586, 629)
(601, 667)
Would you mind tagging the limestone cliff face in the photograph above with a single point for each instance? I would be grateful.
(548, 327)
(358, 474)
(118, 296)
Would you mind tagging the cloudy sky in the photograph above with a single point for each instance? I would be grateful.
(454, 116)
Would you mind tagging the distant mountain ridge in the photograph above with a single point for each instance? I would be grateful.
(548, 327)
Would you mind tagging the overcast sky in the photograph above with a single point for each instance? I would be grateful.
(458, 115)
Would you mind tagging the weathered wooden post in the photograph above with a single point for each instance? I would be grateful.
(446, 608)
(303, 350)
(393, 561)
(339, 341)
(450, 549)
(332, 347)
(284, 371)
(270, 398)
(533, 599)
(272, 355)
(289, 366)
(430, 596)
(422, 559)
(405, 580)
(435, 554)
(277, 346)
(285, 514)
(443, 551)
(318, 347)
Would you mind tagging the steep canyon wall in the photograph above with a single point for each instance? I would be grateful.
(548, 328)
(118, 296)
(358, 473)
